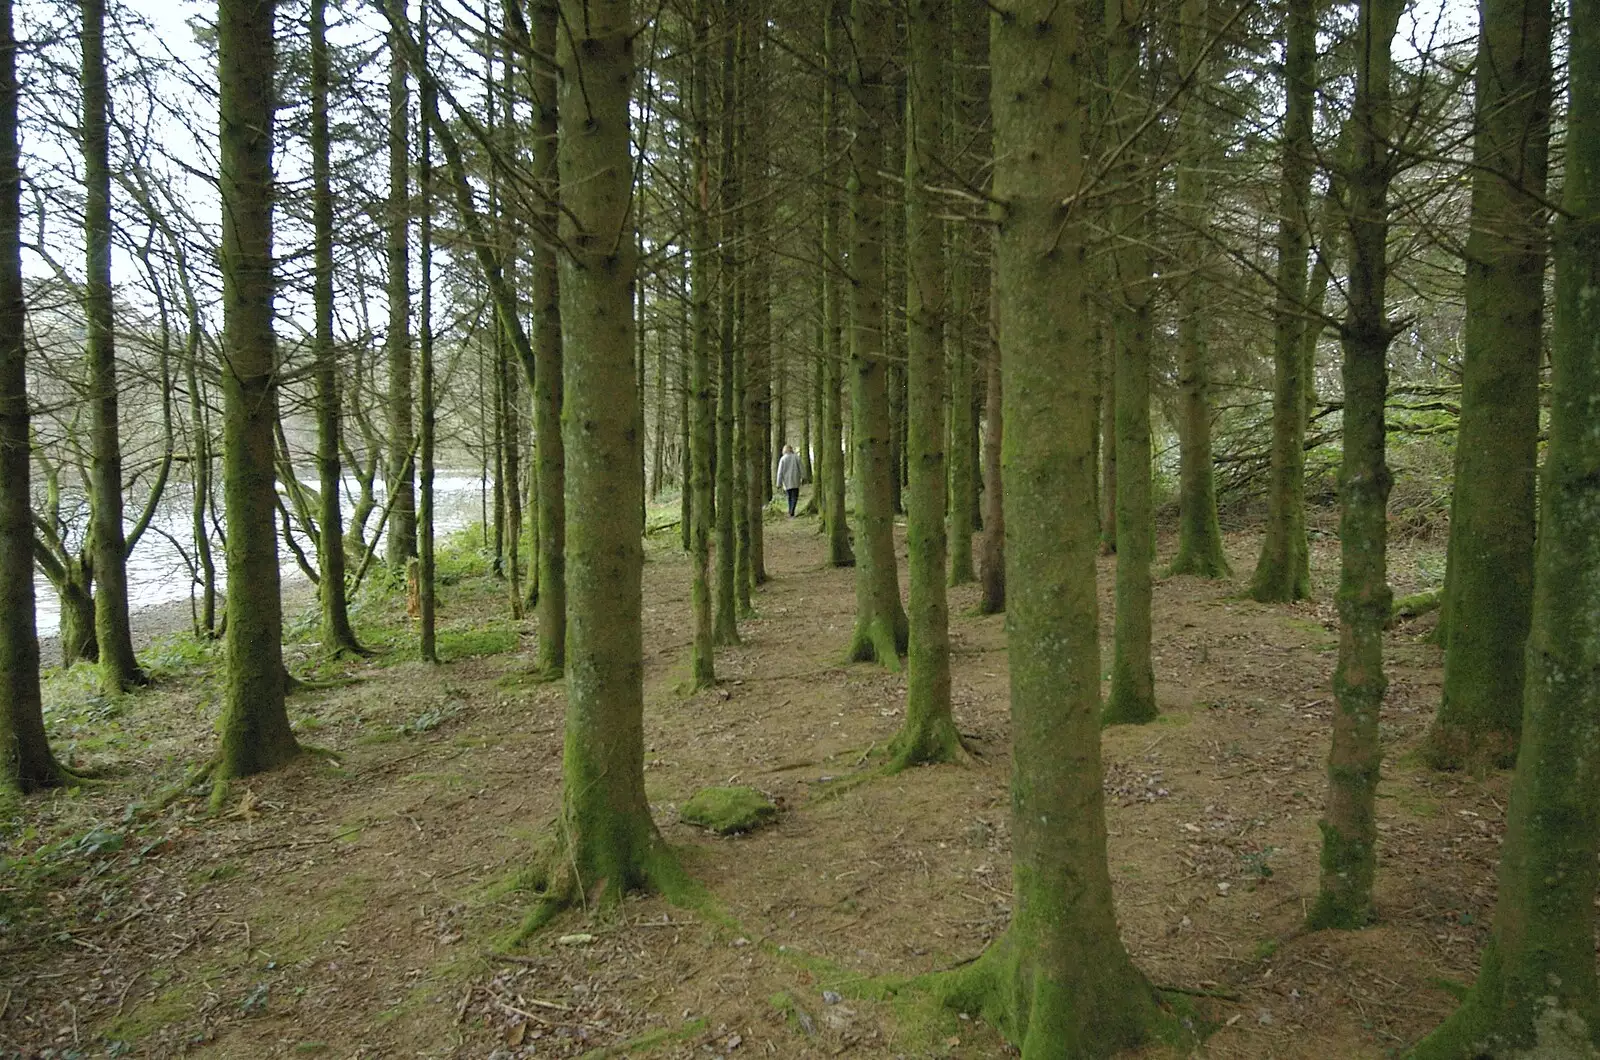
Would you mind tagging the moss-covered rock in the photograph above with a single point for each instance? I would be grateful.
(726, 810)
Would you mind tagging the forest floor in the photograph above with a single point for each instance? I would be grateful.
(361, 905)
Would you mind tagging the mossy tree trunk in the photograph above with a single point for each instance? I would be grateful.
(427, 641)
(118, 667)
(400, 544)
(1058, 983)
(1199, 534)
(610, 844)
(1283, 570)
(758, 299)
(729, 484)
(26, 764)
(337, 635)
(929, 732)
(1492, 504)
(1107, 438)
(969, 37)
(834, 34)
(992, 555)
(880, 631)
(1133, 695)
(255, 723)
(1536, 993)
(1349, 823)
(547, 356)
(703, 433)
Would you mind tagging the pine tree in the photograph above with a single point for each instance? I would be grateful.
(26, 763)
(1059, 982)
(1536, 994)
(1349, 823)
(1491, 545)
(113, 633)
(929, 733)
(881, 630)
(255, 723)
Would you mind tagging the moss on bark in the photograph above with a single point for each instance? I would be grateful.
(1059, 983)
(929, 732)
(840, 553)
(881, 631)
(255, 722)
(702, 429)
(1349, 824)
(605, 842)
(1199, 534)
(26, 763)
(1536, 993)
(1283, 570)
(1492, 504)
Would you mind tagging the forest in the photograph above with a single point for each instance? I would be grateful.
(872, 528)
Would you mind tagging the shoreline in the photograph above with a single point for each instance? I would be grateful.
(174, 616)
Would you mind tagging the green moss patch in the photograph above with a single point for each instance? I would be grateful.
(726, 810)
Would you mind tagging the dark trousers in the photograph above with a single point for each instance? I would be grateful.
(794, 498)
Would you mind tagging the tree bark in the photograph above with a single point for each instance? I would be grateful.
(1283, 570)
(119, 669)
(969, 38)
(548, 391)
(881, 630)
(255, 724)
(992, 558)
(840, 553)
(929, 732)
(26, 764)
(609, 845)
(703, 432)
(1536, 993)
(337, 635)
(1133, 698)
(426, 603)
(1349, 824)
(726, 617)
(1058, 983)
(1199, 534)
(1497, 450)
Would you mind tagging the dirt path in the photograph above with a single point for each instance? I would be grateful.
(362, 907)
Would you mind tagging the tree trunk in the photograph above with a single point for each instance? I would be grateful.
(1283, 571)
(426, 604)
(686, 423)
(1199, 535)
(200, 476)
(881, 630)
(548, 392)
(758, 315)
(835, 33)
(1497, 450)
(1536, 993)
(968, 37)
(337, 635)
(255, 723)
(75, 598)
(401, 543)
(929, 733)
(609, 845)
(992, 557)
(26, 764)
(1133, 698)
(726, 618)
(118, 667)
(702, 382)
(1058, 983)
(1349, 824)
